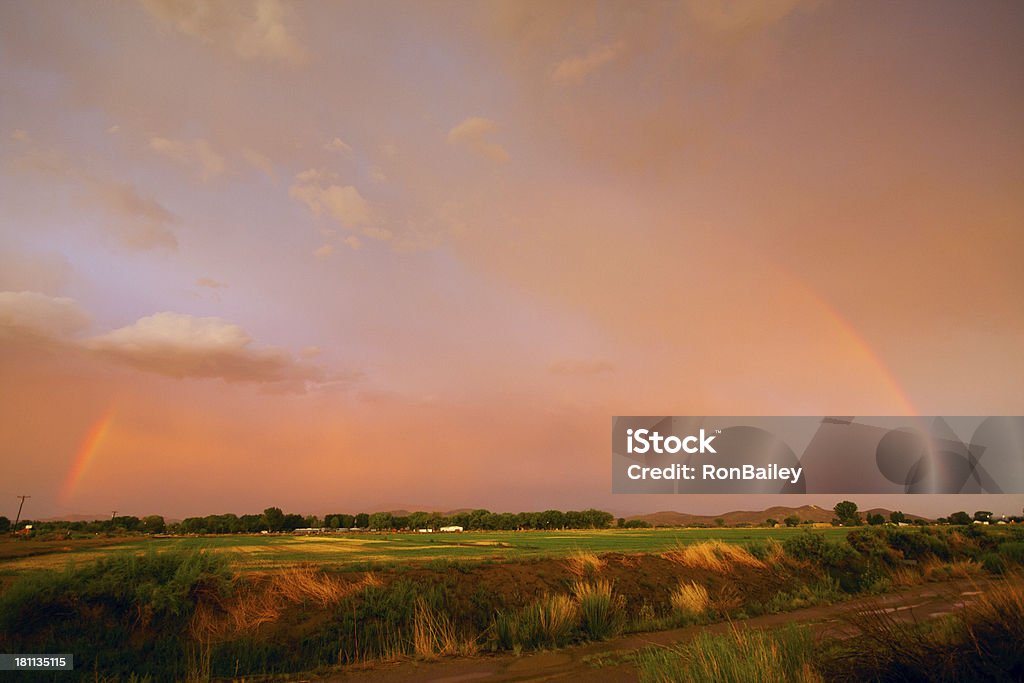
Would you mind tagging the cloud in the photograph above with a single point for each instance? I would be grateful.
(260, 161)
(575, 69)
(21, 135)
(134, 220)
(580, 367)
(472, 132)
(324, 251)
(343, 203)
(251, 29)
(181, 345)
(139, 222)
(338, 145)
(38, 315)
(353, 241)
(197, 154)
(210, 283)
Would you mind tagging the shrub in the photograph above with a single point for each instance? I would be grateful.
(598, 609)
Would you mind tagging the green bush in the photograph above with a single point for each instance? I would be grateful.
(1013, 551)
(123, 614)
(994, 563)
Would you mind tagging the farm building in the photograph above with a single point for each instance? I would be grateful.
(451, 528)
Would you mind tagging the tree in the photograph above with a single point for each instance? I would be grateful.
(874, 519)
(153, 524)
(846, 513)
(5, 525)
(897, 517)
(983, 516)
(792, 520)
(621, 522)
(960, 517)
(719, 521)
(771, 522)
(272, 519)
(292, 522)
(362, 521)
(381, 520)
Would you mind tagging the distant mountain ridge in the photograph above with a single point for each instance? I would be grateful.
(806, 513)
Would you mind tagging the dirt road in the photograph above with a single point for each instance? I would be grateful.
(919, 603)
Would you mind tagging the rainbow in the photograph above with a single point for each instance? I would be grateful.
(86, 453)
(855, 342)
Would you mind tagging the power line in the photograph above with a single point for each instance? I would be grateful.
(20, 505)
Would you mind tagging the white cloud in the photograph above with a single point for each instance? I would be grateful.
(39, 315)
(181, 345)
(575, 69)
(353, 242)
(210, 283)
(196, 154)
(324, 251)
(472, 133)
(21, 135)
(343, 203)
(251, 29)
(337, 145)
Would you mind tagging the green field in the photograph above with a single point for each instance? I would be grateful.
(249, 553)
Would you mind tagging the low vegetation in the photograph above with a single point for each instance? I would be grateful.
(185, 614)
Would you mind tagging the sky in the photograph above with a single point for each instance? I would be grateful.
(372, 255)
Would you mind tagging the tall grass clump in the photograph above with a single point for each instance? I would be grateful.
(740, 656)
(583, 564)
(690, 598)
(551, 621)
(599, 611)
(434, 634)
(980, 643)
(714, 556)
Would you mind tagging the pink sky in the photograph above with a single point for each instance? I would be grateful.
(356, 256)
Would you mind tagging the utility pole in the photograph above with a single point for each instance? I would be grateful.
(21, 505)
(113, 515)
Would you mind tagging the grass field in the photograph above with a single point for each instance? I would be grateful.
(248, 553)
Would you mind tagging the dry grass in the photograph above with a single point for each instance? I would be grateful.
(714, 556)
(257, 602)
(963, 569)
(690, 598)
(434, 635)
(583, 563)
(906, 576)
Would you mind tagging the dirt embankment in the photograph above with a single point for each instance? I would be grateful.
(609, 661)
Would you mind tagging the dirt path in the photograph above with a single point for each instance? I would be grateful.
(917, 603)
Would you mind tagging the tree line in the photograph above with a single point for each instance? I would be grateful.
(274, 520)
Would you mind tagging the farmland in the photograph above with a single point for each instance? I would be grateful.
(366, 550)
(209, 607)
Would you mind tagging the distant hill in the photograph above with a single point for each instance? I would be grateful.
(806, 513)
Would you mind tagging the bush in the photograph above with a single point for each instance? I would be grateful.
(994, 563)
(598, 608)
(122, 614)
(1013, 551)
